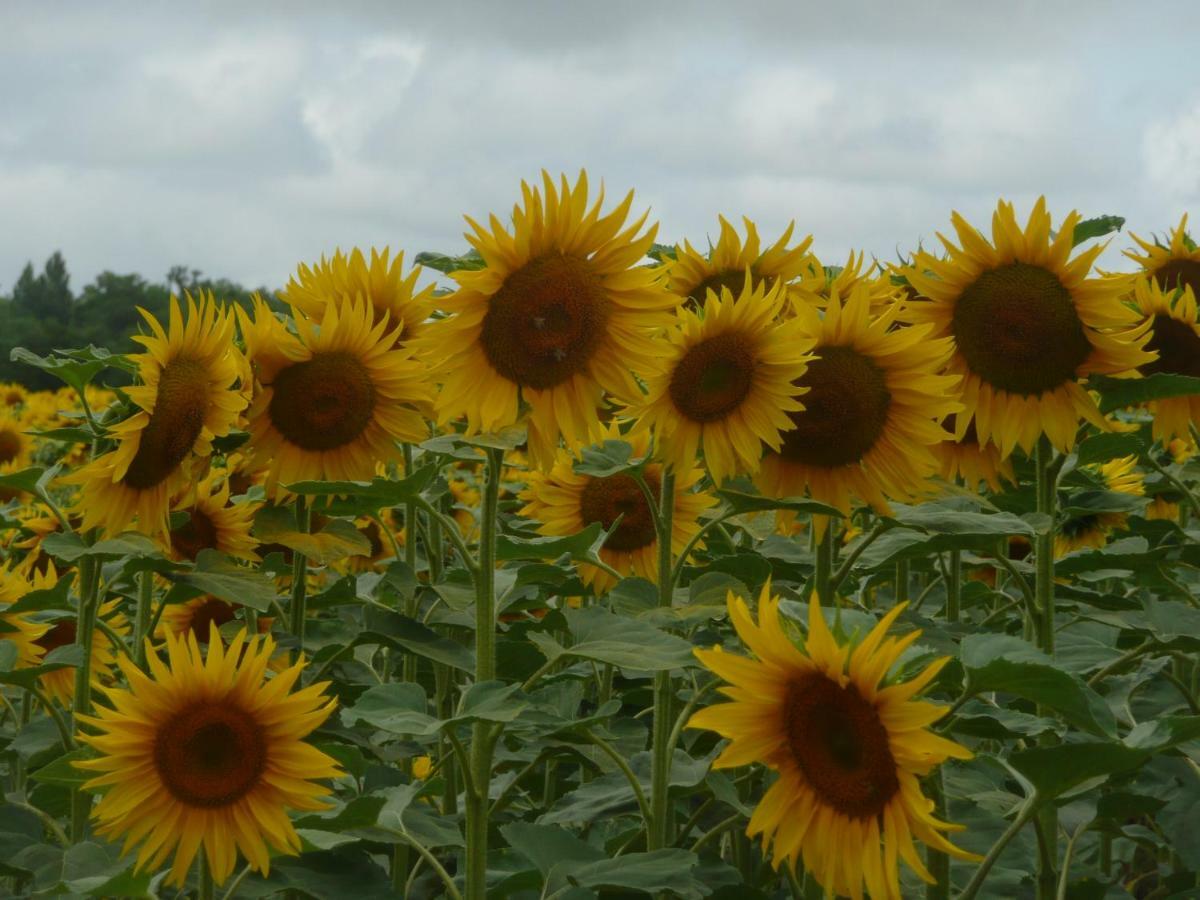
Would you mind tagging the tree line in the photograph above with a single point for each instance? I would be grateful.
(43, 313)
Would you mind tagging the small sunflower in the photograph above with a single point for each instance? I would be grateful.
(872, 396)
(330, 402)
(18, 627)
(1173, 265)
(965, 459)
(693, 274)
(185, 399)
(1175, 337)
(60, 683)
(16, 448)
(381, 547)
(207, 752)
(13, 394)
(1027, 324)
(382, 282)
(840, 283)
(727, 379)
(214, 523)
(560, 315)
(1093, 530)
(849, 752)
(565, 502)
(195, 617)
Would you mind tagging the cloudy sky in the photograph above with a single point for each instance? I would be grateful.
(137, 136)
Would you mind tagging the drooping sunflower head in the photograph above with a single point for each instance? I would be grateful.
(692, 274)
(1173, 265)
(207, 752)
(331, 401)
(565, 502)
(59, 684)
(726, 380)
(1175, 336)
(560, 315)
(1027, 323)
(848, 743)
(213, 523)
(185, 398)
(382, 282)
(963, 458)
(873, 395)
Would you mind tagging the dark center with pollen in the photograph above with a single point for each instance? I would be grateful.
(211, 612)
(178, 418)
(1178, 348)
(13, 397)
(733, 279)
(198, 533)
(845, 410)
(546, 322)
(210, 754)
(10, 445)
(61, 634)
(1179, 273)
(714, 377)
(604, 499)
(840, 746)
(1018, 330)
(323, 403)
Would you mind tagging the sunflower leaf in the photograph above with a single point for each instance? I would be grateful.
(57, 597)
(218, 575)
(607, 459)
(604, 637)
(740, 503)
(23, 480)
(77, 369)
(581, 546)
(71, 547)
(470, 261)
(1102, 447)
(67, 657)
(366, 497)
(1094, 228)
(1116, 393)
(336, 539)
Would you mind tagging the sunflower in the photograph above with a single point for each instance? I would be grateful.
(1092, 530)
(565, 502)
(383, 284)
(1027, 323)
(15, 446)
(196, 615)
(381, 547)
(60, 683)
(207, 752)
(1163, 505)
(849, 752)
(873, 393)
(965, 459)
(18, 628)
(330, 402)
(559, 316)
(13, 394)
(1173, 265)
(838, 283)
(692, 274)
(1175, 336)
(185, 399)
(214, 523)
(726, 381)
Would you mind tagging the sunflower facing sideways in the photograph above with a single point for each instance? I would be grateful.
(1092, 530)
(692, 274)
(59, 684)
(726, 381)
(185, 399)
(17, 627)
(1175, 336)
(560, 315)
(872, 397)
(1027, 323)
(213, 523)
(565, 502)
(207, 752)
(330, 402)
(1173, 265)
(849, 750)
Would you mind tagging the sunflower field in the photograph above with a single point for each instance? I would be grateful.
(619, 569)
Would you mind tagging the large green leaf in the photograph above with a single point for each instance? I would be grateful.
(1102, 447)
(740, 502)
(218, 575)
(335, 540)
(400, 708)
(76, 368)
(1007, 664)
(584, 545)
(607, 459)
(669, 870)
(1116, 393)
(56, 598)
(70, 547)
(366, 497)
(1096, 227)
(69, 656)
(629, 643)
(467, 262)
(415, 637)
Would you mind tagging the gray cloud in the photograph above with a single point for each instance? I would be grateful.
(242, 138)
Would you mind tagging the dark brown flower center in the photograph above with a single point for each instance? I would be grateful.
(840, 746)
(178, 418)
(210, 754)
(604, 499)
(371, 532)
(714, 377)
(13, 397)
(198, 533)
(1179, 273)
(1178, 348)
(1018, 330)
(546, 322)
(211, 612)
(323, 403)
(845, 409)
(10, 445)
(732, 279)
(61, 634)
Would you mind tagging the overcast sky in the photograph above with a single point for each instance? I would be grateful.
(134, 137)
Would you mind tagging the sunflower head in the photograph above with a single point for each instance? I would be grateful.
(1173, 265)
(207, 752)
(848, 744)
(1027, 322)
(213, 523)
(1174, 322)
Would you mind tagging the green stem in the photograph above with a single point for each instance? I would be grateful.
(207, 888)
(1047, 490)
(824, 567)
(954, 587)
(142, 615)
(835, 580)
(298, 610)
(485, 670)
(408, 670)
(936, 861)
(18, 762)
(89, 602)
(1028, 808)
(902, 581)
(658, 833)
(619, 762)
